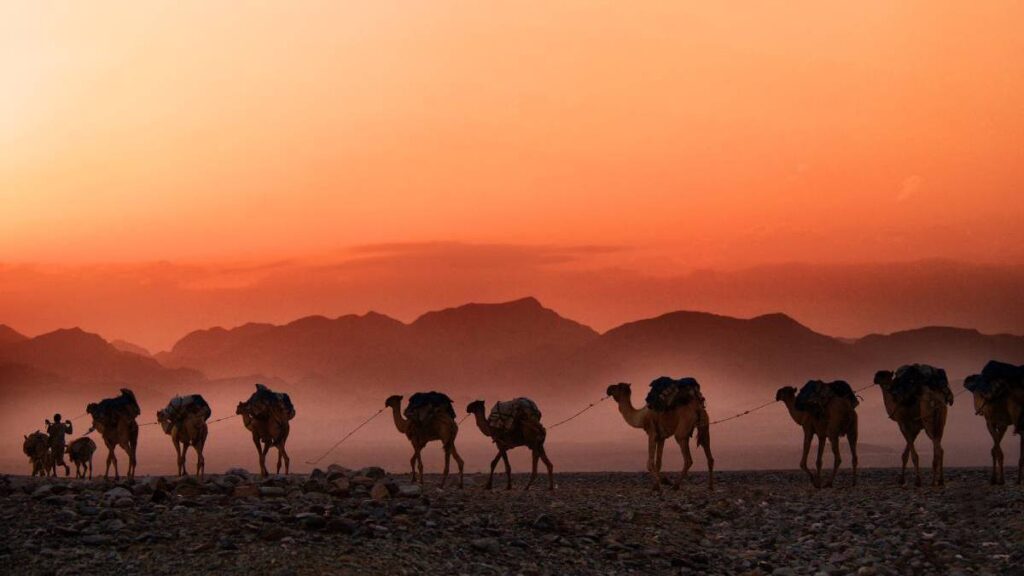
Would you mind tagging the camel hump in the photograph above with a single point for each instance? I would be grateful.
(109, 410)
(266, 402)
(911, 380)
(815, 395)
(423, 406)
(668, 393)
(996, 380)
(507, 415)
(192, 404)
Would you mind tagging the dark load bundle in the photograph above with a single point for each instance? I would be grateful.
(815, 395)
(911, 380)
(996, 380)
(264, 403)
(110, 411)
(423, 406)
(37, 448)
(667, 393)
(181, 407)
(505, 415)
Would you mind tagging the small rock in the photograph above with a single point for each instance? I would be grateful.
(380, 492)
(410, 490)
(488, 545)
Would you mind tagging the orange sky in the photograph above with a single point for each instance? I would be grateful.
(696, 136)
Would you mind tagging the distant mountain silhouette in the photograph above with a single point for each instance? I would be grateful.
(125, 346)
(9, 335)
(81, 362)
(520, 347)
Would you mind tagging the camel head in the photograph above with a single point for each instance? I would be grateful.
(620, 391)
(164, 420)
(91, 409)
(883, 378)
(393, 401)
(785, 393)
(475, 407)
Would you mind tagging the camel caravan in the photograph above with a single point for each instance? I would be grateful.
(916, 397)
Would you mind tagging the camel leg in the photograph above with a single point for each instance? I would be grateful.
(508, 470)
(412, 464)
(419, 463)
(659, 460)
(533, 472)
(852, 439)
(200, 460)
(938, 455)
(997, 453)
(494, 464)
(259, 455)
(807, 450)
(551, 469)
(178, 455)
(818, 462)
(264, 450)
(1020, 463)
(652, 450)
(133, 444)
(711, 462)
(684, 446)
(460, 463)
(836, 459)
(282, 455)
(917, 464)
(447, 463)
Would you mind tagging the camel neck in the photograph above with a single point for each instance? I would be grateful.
(797, 415)
(482, 423)
(631, 415)
(401, 423)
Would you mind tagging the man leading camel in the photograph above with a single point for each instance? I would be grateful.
(57, 431)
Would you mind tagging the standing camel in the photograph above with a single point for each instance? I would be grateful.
(828, 411)
(511, 424)
(916, 398)
(80, 451)
(267, 414)
(114, 419)
(37, 448)
(999, 397)
(184, 420)
(429, 416)
(683, 413)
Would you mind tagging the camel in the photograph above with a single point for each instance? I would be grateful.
(837, 417)
(514, 423)
(114, 419)
(37, 448)
(999, 398)
(916, 398)
(184, 420)
(428, 417)
(80, 451)
(267, 414)
(660, 425)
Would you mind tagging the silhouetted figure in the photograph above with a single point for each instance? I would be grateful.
(184, 420)
(510, 424)
(826, 410)
(57, 430)
(80, 450)
(428, 417)
(267, 414)
(114, 419)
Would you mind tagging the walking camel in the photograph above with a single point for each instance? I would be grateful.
(511, 424)
(80, 452)
(916, 397)
(999, 397)
(184, 420)
(114, 419)
(429, 416)
(267, 414)
(37, 448)
(826, 410)
(675, 408)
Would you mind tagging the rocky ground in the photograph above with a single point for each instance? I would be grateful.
(339, 521)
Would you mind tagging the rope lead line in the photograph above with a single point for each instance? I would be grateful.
(767, 404)
(346, 437)
(589, 406)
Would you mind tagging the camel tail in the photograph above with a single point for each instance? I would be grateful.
(703, 429)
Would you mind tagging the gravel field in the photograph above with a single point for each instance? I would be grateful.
(339, 521)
